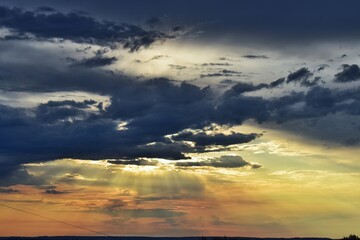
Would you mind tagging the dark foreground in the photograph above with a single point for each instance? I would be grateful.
(152, 238)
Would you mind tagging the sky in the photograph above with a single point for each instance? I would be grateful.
(180, 118)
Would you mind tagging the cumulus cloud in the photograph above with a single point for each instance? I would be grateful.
(349, 73)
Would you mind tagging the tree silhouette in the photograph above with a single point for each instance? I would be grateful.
(351, 237)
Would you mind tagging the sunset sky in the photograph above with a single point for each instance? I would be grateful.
(180, 118)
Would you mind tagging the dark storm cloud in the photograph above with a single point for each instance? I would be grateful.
(320, 98)
(28, 139)
(278, 23)
(223, 162)
(151, 109)
(69, 103)
(203, 139)
(19, 176)
(75, 27)
(177, 103)
(94, 62)
(349, 73)
(53, 111)
(316, 102)
(66, 129)
(32, 74)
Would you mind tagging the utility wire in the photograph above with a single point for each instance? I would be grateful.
(54, 220)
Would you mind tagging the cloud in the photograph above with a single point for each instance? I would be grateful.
(349, 73)
(236, 108)
(277, 83)
(78, 129)
(67, 129)
(141, 213)
(203, 139)
(137, 162)
(45, 9)
(343, 56)
(94, 62)
(222, 73)
(69, 103)
(241, 22)
(226, 161)
(243, 87)
(303, 76)
(12, 174)
(256, 56)
(178, 67)
(75, 27)
(53, 111)
(54, 192)
(310, 83)
(300, 75)
(8, 190)
(322, 67)
(215, 64)
(320, 98)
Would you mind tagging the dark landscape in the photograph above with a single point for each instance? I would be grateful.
(161, 238)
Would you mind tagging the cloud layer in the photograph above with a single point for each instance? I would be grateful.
(142, 118)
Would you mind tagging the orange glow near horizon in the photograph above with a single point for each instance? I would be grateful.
(160, 200)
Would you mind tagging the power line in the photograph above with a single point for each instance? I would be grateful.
(54, 220)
